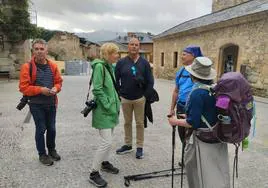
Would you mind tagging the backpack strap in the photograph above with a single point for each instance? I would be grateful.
(30, 72)
(235, 163)
(181, 74)
(209, 89)
(206, 122)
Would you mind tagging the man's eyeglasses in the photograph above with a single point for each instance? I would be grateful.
(133, 69)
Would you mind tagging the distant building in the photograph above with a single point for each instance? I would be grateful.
(234, 36)
(123, 49)
(90, 50)
(65, 46)
(146, 43)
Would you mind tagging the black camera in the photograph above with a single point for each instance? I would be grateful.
(23, 101)
(90, 105)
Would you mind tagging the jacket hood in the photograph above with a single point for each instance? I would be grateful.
(96, 61)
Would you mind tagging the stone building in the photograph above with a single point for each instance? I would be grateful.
(234, 36)
(90, 50)
(65, 46)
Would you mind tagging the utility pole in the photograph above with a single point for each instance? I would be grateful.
(33, 13)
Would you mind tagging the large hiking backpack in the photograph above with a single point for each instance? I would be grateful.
(234, 102)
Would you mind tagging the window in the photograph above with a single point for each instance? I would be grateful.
(162, 59)
(175, 60)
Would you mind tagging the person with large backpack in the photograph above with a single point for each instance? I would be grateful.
(206, 163)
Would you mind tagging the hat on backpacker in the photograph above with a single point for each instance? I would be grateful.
(202, 68)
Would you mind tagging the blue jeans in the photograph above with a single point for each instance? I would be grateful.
(45, 118)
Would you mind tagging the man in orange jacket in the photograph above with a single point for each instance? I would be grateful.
(41, 87)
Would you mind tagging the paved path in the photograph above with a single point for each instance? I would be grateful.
(76, 142)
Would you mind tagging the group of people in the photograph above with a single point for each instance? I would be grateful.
(127, 84)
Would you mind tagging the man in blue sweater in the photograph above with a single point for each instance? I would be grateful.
(183, 85)
(134, 78)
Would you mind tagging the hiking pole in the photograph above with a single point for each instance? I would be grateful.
(182, 160)
(173, 148)
(150, 175)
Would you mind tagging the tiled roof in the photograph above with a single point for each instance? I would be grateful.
(244, 9)
(122, 47)
(143, 38)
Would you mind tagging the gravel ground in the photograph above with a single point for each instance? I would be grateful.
(77, 144)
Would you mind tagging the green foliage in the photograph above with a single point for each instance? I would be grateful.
(45, 33)
(15, 21)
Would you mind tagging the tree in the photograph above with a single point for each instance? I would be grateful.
(45, 33)
(15, 21)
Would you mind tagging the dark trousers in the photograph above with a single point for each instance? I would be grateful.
(181, 130)
(45, 118)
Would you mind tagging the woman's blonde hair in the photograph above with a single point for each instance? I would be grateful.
(107, 49)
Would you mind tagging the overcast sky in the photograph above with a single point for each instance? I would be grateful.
(153, 16)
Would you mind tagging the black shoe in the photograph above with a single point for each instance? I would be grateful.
(96, 179)
(139, 153)
(46, 160)
(54, 155)
(124, 149)
(108, 167)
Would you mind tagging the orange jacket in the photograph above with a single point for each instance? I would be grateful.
(26, 86)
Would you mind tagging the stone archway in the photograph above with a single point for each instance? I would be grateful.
(228, 58)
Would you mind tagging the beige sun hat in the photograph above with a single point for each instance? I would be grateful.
(202, 68)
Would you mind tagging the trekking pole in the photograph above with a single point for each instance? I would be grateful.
(173, 148)
(148, 175)
(182, 160)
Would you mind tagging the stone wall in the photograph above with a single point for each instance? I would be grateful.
(223, 4)
(65, 46)
(252, 39)
(13, 56)
(148, 47)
